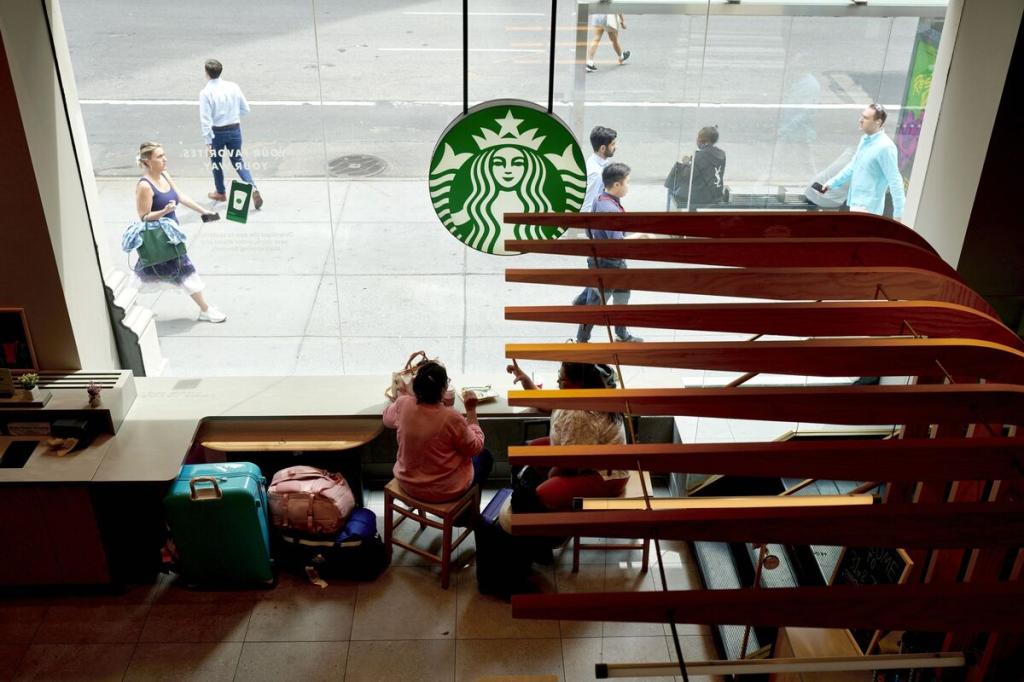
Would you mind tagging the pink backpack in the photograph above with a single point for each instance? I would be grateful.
(310, 501)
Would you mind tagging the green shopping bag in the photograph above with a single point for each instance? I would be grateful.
(156, 248)
(238, 201)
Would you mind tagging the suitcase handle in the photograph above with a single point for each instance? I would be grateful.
(195, 495)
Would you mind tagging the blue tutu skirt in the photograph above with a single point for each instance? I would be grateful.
(170, 272)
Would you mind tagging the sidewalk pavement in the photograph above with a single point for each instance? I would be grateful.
(341, 277)
(350, 277)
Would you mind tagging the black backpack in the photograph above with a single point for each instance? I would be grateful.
(357, 553)
(504, 563)
(355, 559)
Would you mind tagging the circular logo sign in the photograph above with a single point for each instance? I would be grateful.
(505, 156)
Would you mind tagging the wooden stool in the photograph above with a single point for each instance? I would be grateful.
(419, 511)
(634, 488)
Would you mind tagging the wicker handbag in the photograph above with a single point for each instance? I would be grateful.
(401, 381)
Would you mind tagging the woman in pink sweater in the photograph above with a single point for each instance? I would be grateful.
(441, 454)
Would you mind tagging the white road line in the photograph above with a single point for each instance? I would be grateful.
(453, 103)
(475, 14)
(453, 49)
(263, 103)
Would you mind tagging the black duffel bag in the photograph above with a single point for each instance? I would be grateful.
(357, 553)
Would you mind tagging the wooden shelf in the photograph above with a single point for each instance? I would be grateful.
(283, 445)
(288, 434)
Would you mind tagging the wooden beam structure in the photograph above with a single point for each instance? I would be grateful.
(784, 284)
(931, 319)
(819, 357)
(862, 296)
(956, 607)
(749, 253)
(845, 460)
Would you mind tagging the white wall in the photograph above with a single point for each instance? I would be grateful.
(33, 71)
(970, 71)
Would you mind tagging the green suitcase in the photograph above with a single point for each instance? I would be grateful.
(217, 515)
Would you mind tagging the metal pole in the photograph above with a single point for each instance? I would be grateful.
(757, 583)
(787, 665)
(465, 56)
(551, 58)
(579, 89)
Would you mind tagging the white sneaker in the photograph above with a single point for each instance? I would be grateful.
(211, 314)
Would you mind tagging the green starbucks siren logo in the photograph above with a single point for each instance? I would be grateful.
(501, 157)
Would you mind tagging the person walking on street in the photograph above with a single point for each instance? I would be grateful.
(610, 24)
(602, 140)
(157, 198)
(221, 106)
(616, 185)
(873, 168)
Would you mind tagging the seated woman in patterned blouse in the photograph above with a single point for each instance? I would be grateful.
(579, 427)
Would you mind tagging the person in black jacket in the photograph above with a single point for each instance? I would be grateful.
(699, 180)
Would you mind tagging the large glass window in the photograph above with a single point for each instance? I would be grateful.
(346, 268)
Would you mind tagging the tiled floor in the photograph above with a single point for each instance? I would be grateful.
(402, 626)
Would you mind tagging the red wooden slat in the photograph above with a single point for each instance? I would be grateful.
(735, 224)
(945, 564)
(986, 565)
(934, 492)
(967, 524)
(918, 404)
(888, 607)
(902, 492)
(819, 357)
(849, 460)
(1001, 647)
(748, 253)
(827, 318)
(786, 284)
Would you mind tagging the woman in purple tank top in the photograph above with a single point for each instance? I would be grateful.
(156, 197)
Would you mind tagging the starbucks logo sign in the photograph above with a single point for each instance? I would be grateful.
(501, 157)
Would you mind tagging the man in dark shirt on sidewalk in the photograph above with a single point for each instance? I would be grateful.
(616, 185)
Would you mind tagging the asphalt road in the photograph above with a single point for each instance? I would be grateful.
(328, 78)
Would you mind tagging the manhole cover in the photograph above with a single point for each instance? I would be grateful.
(357, 166)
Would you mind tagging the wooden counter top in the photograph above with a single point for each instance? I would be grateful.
(44, 466)
(169, 413)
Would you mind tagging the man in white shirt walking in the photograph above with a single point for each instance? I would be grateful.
(221, 107)
(602, 140)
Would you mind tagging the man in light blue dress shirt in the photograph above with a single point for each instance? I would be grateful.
(873, 168)
(221, 107)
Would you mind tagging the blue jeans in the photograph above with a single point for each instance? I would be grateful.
(227, 145)
(482, 464)
(591, 296)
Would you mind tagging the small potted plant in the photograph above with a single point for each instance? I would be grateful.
(29, 381)
(93, 389)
